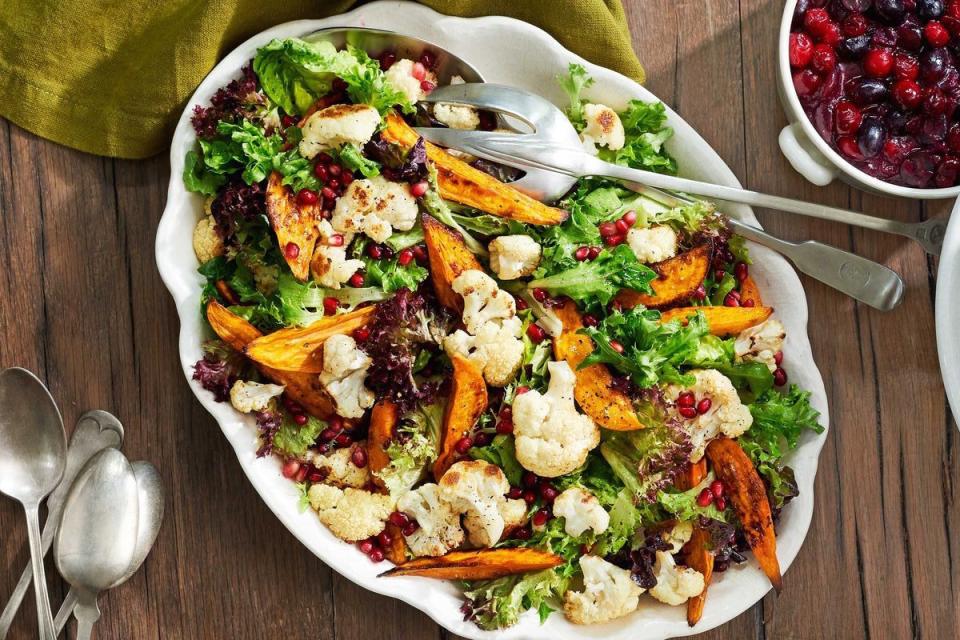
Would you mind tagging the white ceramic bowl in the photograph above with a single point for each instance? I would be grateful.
(948, 312)
(511, 52)
(810, 154)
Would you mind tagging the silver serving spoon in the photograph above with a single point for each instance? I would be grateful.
(150, 502)
(33, 454)
(97, 539)
(95, 431)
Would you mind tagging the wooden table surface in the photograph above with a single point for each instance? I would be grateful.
(83, 306)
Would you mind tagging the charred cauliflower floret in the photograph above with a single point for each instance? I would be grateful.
(653, 244)
(339, 467)
(552, 437)
(675, 585)
(727, 415)
(401, 76)
(603, 127)
(513, 257)
(330, 266)
(247, 397)
(344, 371)
(761, 343)
(350, 514)
(483, 300)
(439, 528)
(375, 207)
(608, 593)
(335, 126)
(207, 243)
(476, 489)
(496, 350)
(580, 510)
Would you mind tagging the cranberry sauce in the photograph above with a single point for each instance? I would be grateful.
(879, 81)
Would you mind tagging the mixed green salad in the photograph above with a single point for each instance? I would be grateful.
(561, 406)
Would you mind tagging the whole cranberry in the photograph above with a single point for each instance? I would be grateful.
(917, 170)
(798, 13)
(878, 63)
(848, 147)
(935, 102)
(854, 48)
(898, 148)
(885, 37)
(890, 11)
(905, 66)
(947, 172)
(907, 93)
(854, 25)
(934, 130)
(816, 20)
(953, 137)
(910, 36)
(824, 58)
(830, 35)
(847, 117)
(801, 50)
(936, 34)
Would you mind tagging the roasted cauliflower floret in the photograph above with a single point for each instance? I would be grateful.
(513, 257)
(483, 300)
(339, 467)
(496, 350)
(247, 397)
(439, 523)
(653, 244)
(608, 593)
(603, 126)
(679, 535)
(350, 514)
(335, 126)
(207, 243)
(330, 266)
(581, 511)
(761, 343)
(476, 489)
(514, 514)
(400, 75)
(375, 207)
(456, 116)
(675, 585)
(727, 415)
(344, 371)
(552, 437)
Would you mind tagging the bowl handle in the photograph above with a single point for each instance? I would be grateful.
(804, 157)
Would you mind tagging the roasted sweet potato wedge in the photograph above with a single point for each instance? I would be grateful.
(467, 401)
(300, 348)
(609, 408)
(750, 291)
(461, 183)
(699, 556)
(749, 497)
(692, 475)
(482, 564)
(723, 321)
(305, 388)
(383, 422)
(396, 551)
(677, 280)
(294, 224)
(449, 257)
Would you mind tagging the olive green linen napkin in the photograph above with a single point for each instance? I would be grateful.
(112, 77)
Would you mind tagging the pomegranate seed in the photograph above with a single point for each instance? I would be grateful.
(622, 226)
(522, 390)
(731, 300)
(779, 377)
(417, 189)
(361, 334)
(427, 86)
(630, 217)
(482, 439)
(607, 229)
(515, 493)
(741, 271)
(523, 533)
(778, 358)
(356, 280)
(530, 479)
(287, 121)
(686, 399)
(549, 493)
(328, 193)
(420, 253)
(735, 294)
(333, 183)
(700, 293)
(718, 274)
(824, 58)
(374, 251)
(324, 158)
(291, 251)
(614, 240)
(540, 294)
(616, 346)
(366, 546)
(320, 171)
(749, 303)
(590, 320)
(506, 413)
(529, 496)
(343, 440)
(336, 240)
(317, 475)
(594, 252)
(704, 405)
(540, 518)
(720, 503)
(418, 71)
(290, 468)
(581, 254)
(815, 20)
(936, 34)
(346, 178)
(717, 489)
(301, 474)
(688, 412)
(330, 305)
(405, 257)
(463, 445)
(336, 423)
(411, 528)
(335, 170)
(522, 304)
(878, 63)
(505, 427)
(387, 60)
(301, 419)
(399, 519)
(359, 457)
(292, 405)
(384, 539)
(428, 58)
(376, 555)
(328, 434)
(306, 197)
(704, 498)
(536, 333)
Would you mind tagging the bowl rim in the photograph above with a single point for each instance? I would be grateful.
(796, 114)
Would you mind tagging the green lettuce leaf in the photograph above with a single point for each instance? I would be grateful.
(198, 178)
(351, 157)
(573, 84)
(292, 440)
(601, 279)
